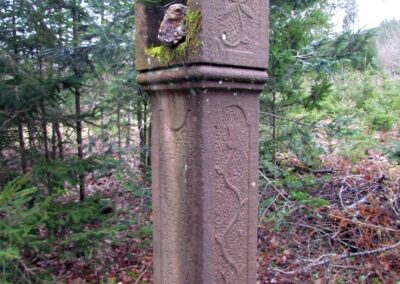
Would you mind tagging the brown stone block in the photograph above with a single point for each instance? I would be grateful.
(232, 33)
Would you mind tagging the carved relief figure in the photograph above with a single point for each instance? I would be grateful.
(232, 174)
(238, 10)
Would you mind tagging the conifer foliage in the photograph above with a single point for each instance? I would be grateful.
(64, 67)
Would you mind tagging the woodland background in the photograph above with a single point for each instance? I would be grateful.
(75, 196)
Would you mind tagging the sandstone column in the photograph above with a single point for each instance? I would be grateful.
(205, 111)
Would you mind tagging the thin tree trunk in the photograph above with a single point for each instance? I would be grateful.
(1, 157)
(45, 143)
(103, 122)
(147, 131)
(77, 93)
(14, 31)
(139, 117)
(59, 141)
(145, 127)
(274, 132)
(57, 120)
(43, 110)
(24, 166)
(21, 137)
(149, 146)
(119, 131)
(102, 111)
(79, 139)
(31, 138)
(44, 132)
(90, 145)
(53, 141)
(44, 124)
(128, 130)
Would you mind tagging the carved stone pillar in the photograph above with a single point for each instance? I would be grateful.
(205, 111)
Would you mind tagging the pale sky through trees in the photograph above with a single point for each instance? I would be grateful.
(371, 13)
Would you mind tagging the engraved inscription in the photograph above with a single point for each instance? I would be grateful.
(237, 9)
(231, 193)
(238, 23)
(176, 189)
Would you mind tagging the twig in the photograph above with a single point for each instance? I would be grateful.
(287, 119)
(336, 258)
(394, 198)
(26, 272)
(328, 274)
(322, 171)
(362, 224)
(270, 182)
(144, 271)
(141, 204)
(340, 196)
(269, 206)
(361, 201)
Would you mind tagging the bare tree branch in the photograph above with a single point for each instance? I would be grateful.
(334, 258)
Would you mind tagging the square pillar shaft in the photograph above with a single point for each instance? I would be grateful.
(205, 112)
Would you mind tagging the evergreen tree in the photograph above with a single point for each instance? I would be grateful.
(387, 44)
(350, 15)
(303, 55)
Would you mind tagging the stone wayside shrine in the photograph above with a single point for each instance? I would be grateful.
(204, 65)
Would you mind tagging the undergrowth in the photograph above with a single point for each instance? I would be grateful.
(32, 226)
(334, 187)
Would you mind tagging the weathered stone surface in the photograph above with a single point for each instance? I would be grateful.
(205, 144)
(235, 32)
(173, 27)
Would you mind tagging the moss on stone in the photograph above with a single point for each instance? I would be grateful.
(182, 51)
(162, 53)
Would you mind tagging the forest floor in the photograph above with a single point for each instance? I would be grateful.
(341, 226)
(352, 238)
(124, 258)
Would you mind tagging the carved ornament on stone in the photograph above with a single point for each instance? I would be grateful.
(237, 10)
(232, 176)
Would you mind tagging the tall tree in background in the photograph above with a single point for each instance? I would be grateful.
(294, 26)
(303, 55)
(77, 92)
(387, 45)
(350, 17)
(61, 62)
